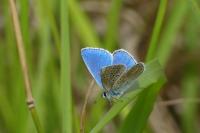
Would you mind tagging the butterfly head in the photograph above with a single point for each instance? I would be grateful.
(111, 95)
(106, 95)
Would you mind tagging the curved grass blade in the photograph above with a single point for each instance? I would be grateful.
(83, 25)
(156, 30)
(151, 75)
(170, 31)
(135, 117)
(147, 98)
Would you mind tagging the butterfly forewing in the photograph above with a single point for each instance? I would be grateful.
(126, 80)
(95, 59)
(123, 57)
(110, 74)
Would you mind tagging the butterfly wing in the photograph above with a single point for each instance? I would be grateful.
(95, 59)
(123, 57)
(126, 80)
(110, 74)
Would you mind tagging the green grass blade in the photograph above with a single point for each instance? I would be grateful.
(195, 4)
(139, 114)
(24, 17)
(25, 24)
(66, 94)
(16, 96)
(190, 86)
(40, 85)
(36, 120)
(7, 116)
(83, 26)
(48, 14)
(6, 113)
(156, 30)
(137, 118)
(191, 30)
(152, 73)
(189, 83)
(113, 24)
(171, 29)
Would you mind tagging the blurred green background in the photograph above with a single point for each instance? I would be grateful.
(54, 32)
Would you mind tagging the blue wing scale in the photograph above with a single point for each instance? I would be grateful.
(95, 59)
(123, 57)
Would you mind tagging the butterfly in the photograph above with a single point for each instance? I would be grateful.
(114, 72)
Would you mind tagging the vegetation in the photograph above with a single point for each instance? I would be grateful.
(43, 80)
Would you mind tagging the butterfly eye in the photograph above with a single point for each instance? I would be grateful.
(104, 95)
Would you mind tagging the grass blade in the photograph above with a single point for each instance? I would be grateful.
(195, 4)
(113, 24)
(24, 19)
(190, 86)
(48, 14)
(152, 73)
(24, 66)
(156, 30)
(139, 114)
(189, 83)
(66, 94)
(137, 118)
(83, 25)
(170, 31)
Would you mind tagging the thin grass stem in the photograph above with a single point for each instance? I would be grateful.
(24, 66)
(83, 112)
(156, 30)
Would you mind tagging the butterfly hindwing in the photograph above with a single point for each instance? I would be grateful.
(95, 59)
(111, 71)
(126, 80)
(110, 74)
(123, 57)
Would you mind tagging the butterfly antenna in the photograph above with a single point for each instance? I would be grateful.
(83, 111)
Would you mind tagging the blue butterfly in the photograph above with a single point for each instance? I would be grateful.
(114, 72)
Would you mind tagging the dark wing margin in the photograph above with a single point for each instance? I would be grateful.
(110, 74)
(126, 80)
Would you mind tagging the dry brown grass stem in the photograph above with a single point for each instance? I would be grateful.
(83, 111)
(24, 66)
(20, 47)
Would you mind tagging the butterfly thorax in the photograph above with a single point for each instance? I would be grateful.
(111, 95)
